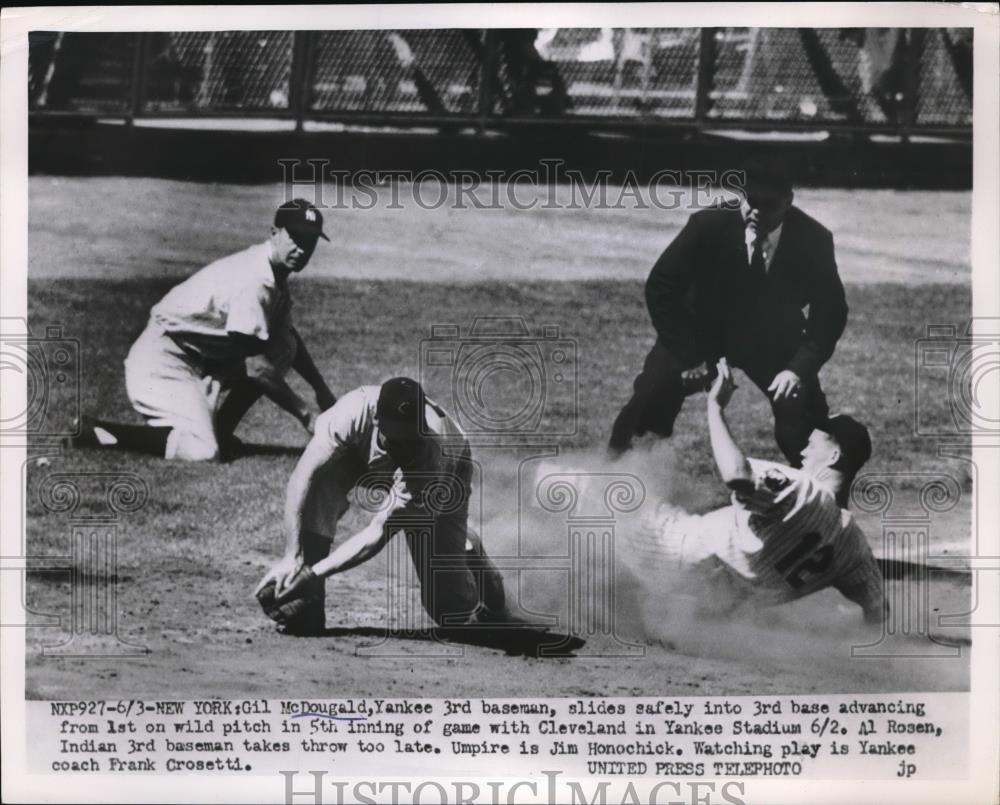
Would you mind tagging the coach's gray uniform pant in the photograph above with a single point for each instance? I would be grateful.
(458, 581)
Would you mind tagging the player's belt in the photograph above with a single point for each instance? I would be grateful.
(198, 360)
(193, 354)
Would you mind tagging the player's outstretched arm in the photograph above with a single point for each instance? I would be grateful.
(280, 393)
(733, 465)
(368, 541)
(356, 550)
(318, 452)
(304, 365)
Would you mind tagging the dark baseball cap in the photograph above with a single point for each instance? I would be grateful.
(852, 437)
(300, 217)
(400, 409)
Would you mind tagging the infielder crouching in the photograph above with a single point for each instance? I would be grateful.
(395, 438)
(784, 536)
(227, 328)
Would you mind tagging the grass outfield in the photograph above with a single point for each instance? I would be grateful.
(159, 228)
(365, 332)
(190, 557)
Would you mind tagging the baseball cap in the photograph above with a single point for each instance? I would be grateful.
(851, 436)
(298, 216)
(400, 408)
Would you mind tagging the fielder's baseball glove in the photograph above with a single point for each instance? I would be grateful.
(300, 605)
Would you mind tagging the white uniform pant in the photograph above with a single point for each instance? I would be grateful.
(167, 387)
(667, 540)
(689, 554)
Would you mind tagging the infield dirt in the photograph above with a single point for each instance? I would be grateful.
(188, 559)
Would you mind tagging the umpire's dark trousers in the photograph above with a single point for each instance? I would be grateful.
(658, 396)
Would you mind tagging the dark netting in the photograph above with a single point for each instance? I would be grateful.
(621, 71)
(858, 71)
(762, 76)
(80, 72)
(801, 75)
(220, 71)
(944, 88)
(765, 74)
(396, 71)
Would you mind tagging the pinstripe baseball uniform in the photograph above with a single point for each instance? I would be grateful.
(785, 539)
(790, 538)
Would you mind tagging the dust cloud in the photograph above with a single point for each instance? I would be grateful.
(600, 573)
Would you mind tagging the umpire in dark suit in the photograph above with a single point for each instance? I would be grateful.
(735, 283)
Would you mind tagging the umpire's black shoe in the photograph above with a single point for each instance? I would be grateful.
(614, 452)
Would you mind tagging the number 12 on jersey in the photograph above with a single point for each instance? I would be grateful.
(806, 559)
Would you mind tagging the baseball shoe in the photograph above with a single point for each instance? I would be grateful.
(231, 448)
(84, 435)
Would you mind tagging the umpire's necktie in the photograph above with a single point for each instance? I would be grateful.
(758, 265)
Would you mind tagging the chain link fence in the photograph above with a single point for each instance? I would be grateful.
(863, 78)
(436, 71)
(945, 63)
(81, 72)
(626, 71)
(227, 71)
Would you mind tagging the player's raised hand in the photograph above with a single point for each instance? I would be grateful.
(724, 385)
(399, 496)
(786, 384)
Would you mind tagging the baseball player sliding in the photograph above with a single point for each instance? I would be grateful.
(784, 536)
(395, 438)
(226, 328)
